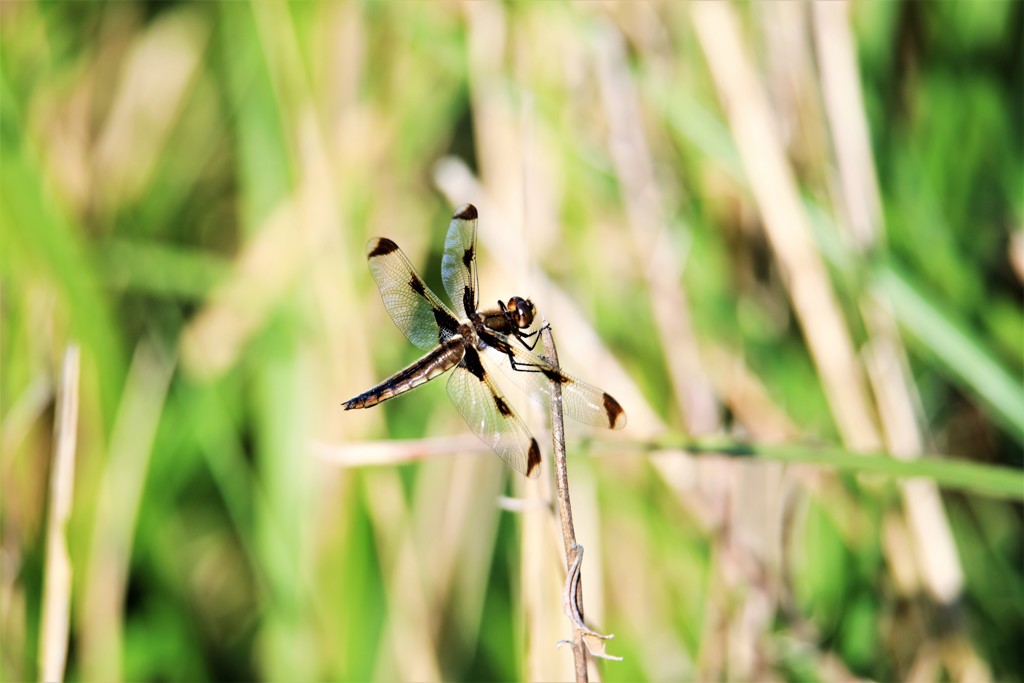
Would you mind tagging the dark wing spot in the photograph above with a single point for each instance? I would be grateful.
(381, 247)
(466, 212)
(417, 285)
(468, 300)
(472, 362)
(557, 377)
(502, 406)
(533, 460)
(445, 321)
(494, 342)
(441, 317)
(467, 258)
(616, 415)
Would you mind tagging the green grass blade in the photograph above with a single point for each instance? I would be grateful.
(965, 357)
(954, 475)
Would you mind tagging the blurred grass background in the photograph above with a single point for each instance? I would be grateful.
(774, 223)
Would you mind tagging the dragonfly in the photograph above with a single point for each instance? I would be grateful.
(468, 343)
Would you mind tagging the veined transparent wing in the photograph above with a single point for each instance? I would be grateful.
(416, 310)
(490, 416)
(581, 401)
(458, 266)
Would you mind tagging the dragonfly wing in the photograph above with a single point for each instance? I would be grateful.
(416, 310)
(458, 266)
(581, 401)
(490, 416)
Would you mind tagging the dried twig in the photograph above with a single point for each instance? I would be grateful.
(572, 597)
(564, 505)
(573, 607)
(53, 644)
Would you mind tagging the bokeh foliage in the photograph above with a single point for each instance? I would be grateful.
(186, 191)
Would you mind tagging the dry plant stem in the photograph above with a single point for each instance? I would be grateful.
(786, 225)
(564, 506)
(53, 644)
(644, 204)
(884, 356)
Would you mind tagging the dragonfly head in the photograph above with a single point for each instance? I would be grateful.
(521, 311)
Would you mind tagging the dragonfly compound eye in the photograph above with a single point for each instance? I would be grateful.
(522, 311)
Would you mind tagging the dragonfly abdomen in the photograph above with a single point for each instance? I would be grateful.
(437, 362)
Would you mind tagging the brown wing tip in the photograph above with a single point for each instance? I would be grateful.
(380, 246)
(533, 460)
(616, 415)
(466, 212)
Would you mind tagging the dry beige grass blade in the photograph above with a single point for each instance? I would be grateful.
(412, 655)
(774, 187)
(235, 310)
(436, 560)
(499, 144)
(292, 237)
(759, 512)
(146, 106)
(844, 105)
(395, 452)
(884, 356)
(1016, 253)
(106, 574)
(889, 371)
(456, 523)
(542, 579)
(748, 398)
(654, 243)
(741, 493)
(53, 639)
